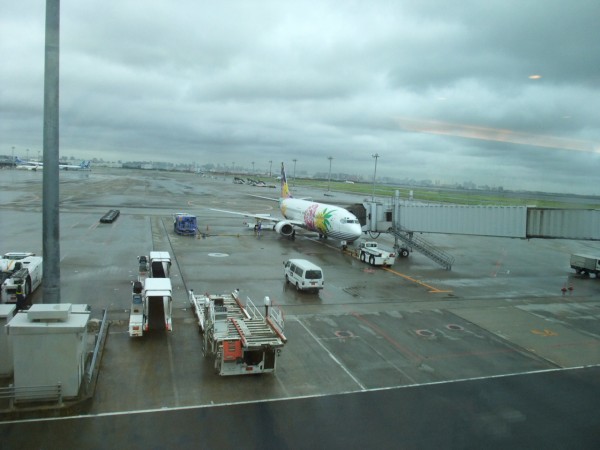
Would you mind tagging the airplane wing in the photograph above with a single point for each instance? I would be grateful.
(263, 197)
(265, 217)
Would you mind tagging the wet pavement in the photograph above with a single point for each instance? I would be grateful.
(500, 311)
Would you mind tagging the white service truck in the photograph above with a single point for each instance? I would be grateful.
(585, 264)
(371, 253)
(240, 339)
(21, 275)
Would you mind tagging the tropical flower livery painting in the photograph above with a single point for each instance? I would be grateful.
(320, 221)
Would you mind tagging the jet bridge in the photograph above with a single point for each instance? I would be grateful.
(404, 218)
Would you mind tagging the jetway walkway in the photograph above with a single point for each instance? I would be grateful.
(403, 219)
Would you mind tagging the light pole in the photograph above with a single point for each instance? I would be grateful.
(252, 167)
(270, 167)
(376, 155)
(294, 170)
(329, 182)
(27, 152)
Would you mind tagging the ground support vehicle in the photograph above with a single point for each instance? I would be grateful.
(143, 268)
(8, 261)
(151, 299)
(157, 265)
(239, 339)
(185, 224)
(376, 256)
(20, 277)
(151, 306)
(585, 264)
(160, 265)
(15, 256)
(110, 216)
(303, 274)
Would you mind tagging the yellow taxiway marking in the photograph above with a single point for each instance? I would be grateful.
(432, 289)
(545, 332)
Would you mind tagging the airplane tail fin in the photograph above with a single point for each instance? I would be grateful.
(285, 188)
(85, 164)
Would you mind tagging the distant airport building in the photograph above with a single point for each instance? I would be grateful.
(7, 161)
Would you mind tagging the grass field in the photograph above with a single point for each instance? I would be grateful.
(457, 197)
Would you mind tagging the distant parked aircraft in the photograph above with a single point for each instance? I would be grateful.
(85, 165)
(28, 165)
(35, 165)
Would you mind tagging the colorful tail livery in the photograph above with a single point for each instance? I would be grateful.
(327, 220)
(285, 187)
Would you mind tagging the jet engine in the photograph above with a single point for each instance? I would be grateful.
(284, 228)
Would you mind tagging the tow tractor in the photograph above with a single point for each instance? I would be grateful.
(376, 256)
(185, 224)
(240, 339)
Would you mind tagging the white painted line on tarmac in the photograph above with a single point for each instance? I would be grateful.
(172, 368)
(337, 361)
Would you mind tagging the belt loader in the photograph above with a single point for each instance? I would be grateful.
(151, 299)
(151, 306)
(240, 339)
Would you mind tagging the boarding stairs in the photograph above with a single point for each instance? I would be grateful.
(415, 242)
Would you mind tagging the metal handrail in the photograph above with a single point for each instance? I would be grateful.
(97, 347)
(32, 393)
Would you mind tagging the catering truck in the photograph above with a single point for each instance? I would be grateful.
(585, 264)
(238, 338)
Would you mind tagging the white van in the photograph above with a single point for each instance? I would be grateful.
(303, 274)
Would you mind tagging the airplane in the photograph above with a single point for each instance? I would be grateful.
(85, 165)
(327, 220)
(28, 165)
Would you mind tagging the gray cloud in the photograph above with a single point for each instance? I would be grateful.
(268, 81)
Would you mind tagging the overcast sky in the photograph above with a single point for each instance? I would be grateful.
(499, 92)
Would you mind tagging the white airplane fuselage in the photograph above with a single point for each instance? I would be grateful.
(327, 220)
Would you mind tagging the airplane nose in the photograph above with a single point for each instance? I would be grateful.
(356, 232)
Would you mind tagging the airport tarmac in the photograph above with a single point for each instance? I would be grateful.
(500, 311)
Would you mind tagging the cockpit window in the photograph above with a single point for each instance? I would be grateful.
(348, 220)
